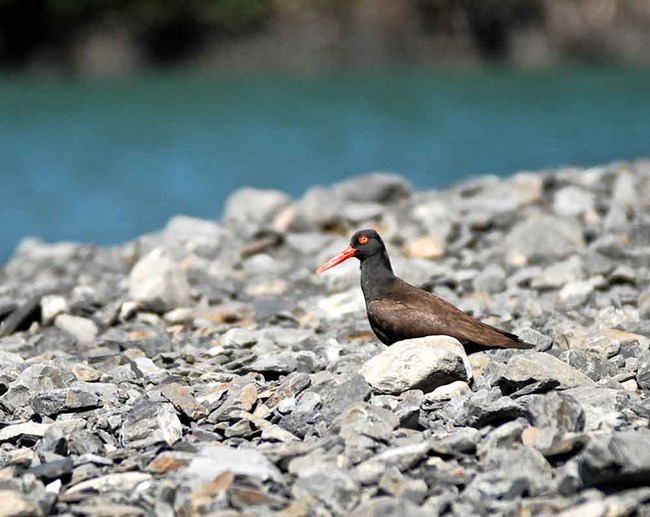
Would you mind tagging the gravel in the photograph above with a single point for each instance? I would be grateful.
(205, 368)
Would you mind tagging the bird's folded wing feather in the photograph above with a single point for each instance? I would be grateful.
(422, 314)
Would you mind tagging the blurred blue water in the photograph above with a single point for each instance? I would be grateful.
(105, 161)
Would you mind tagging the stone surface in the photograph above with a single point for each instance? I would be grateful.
(236, 386)
(423, 363)
(157, 279)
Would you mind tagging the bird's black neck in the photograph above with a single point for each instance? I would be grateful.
(376, 276)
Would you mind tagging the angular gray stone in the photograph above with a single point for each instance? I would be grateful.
(53, 402)
(211, 461)
(422, 363)
(249, 209)
(333, 486)
(530, 366)
(149, 423)
(28, 429)
(157, 279)
(616, 459)
(362, 418)
(34, 379)
(543, 237)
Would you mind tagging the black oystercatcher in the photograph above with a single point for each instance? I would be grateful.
(397, 310)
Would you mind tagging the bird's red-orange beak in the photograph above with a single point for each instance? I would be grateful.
(335, 261)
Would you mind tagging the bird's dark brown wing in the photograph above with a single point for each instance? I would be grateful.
(408, 312)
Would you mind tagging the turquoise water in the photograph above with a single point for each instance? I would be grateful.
(105, 161)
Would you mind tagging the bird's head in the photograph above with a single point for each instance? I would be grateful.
(363, 244)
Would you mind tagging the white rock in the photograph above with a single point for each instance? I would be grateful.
(249, 206)
(83, 329)
(448, 392)
(212, 461)
(423, 363)
(571, 201)
(51, 306)
(157, 278)
(575, 293)
(120, 481)
(30, 429)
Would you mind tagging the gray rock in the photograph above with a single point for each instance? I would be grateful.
(281, 363)
(528, 367)
(534, 337)
(448, 392)
(53, 402)
(324, 402)
(377, 187)
(557, 275)
(28, 429)
(249, 209)
(157, 279)
(362, 418)
(51, 306)
(492, 279)
(211, 461)
(598, 403)
(145, 368)
(192, 235)
(22, 317)
(543, 237)
(149, 423)
(423, 363)
(238, 338)
(616, 459)
(120, 481)
(385, 506)
(183, 400)
(461, 441)
(34, 380)
(403, 457)
(572, 201)
(334, 487)
(83, 329)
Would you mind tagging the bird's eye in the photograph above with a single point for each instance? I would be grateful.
(363, 239)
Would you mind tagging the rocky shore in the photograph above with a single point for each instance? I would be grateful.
(207, 369)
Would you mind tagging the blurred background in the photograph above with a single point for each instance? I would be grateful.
(116, 115)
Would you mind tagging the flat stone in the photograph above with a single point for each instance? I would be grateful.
(27, 430)
(183, 401)
(53, 402)
(212, 461)
(119, 481)
(530, 366)
(422, 363)
(448, 392)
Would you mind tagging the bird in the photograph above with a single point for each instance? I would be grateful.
(397, 310)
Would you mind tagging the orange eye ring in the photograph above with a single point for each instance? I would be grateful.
(363, 239)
